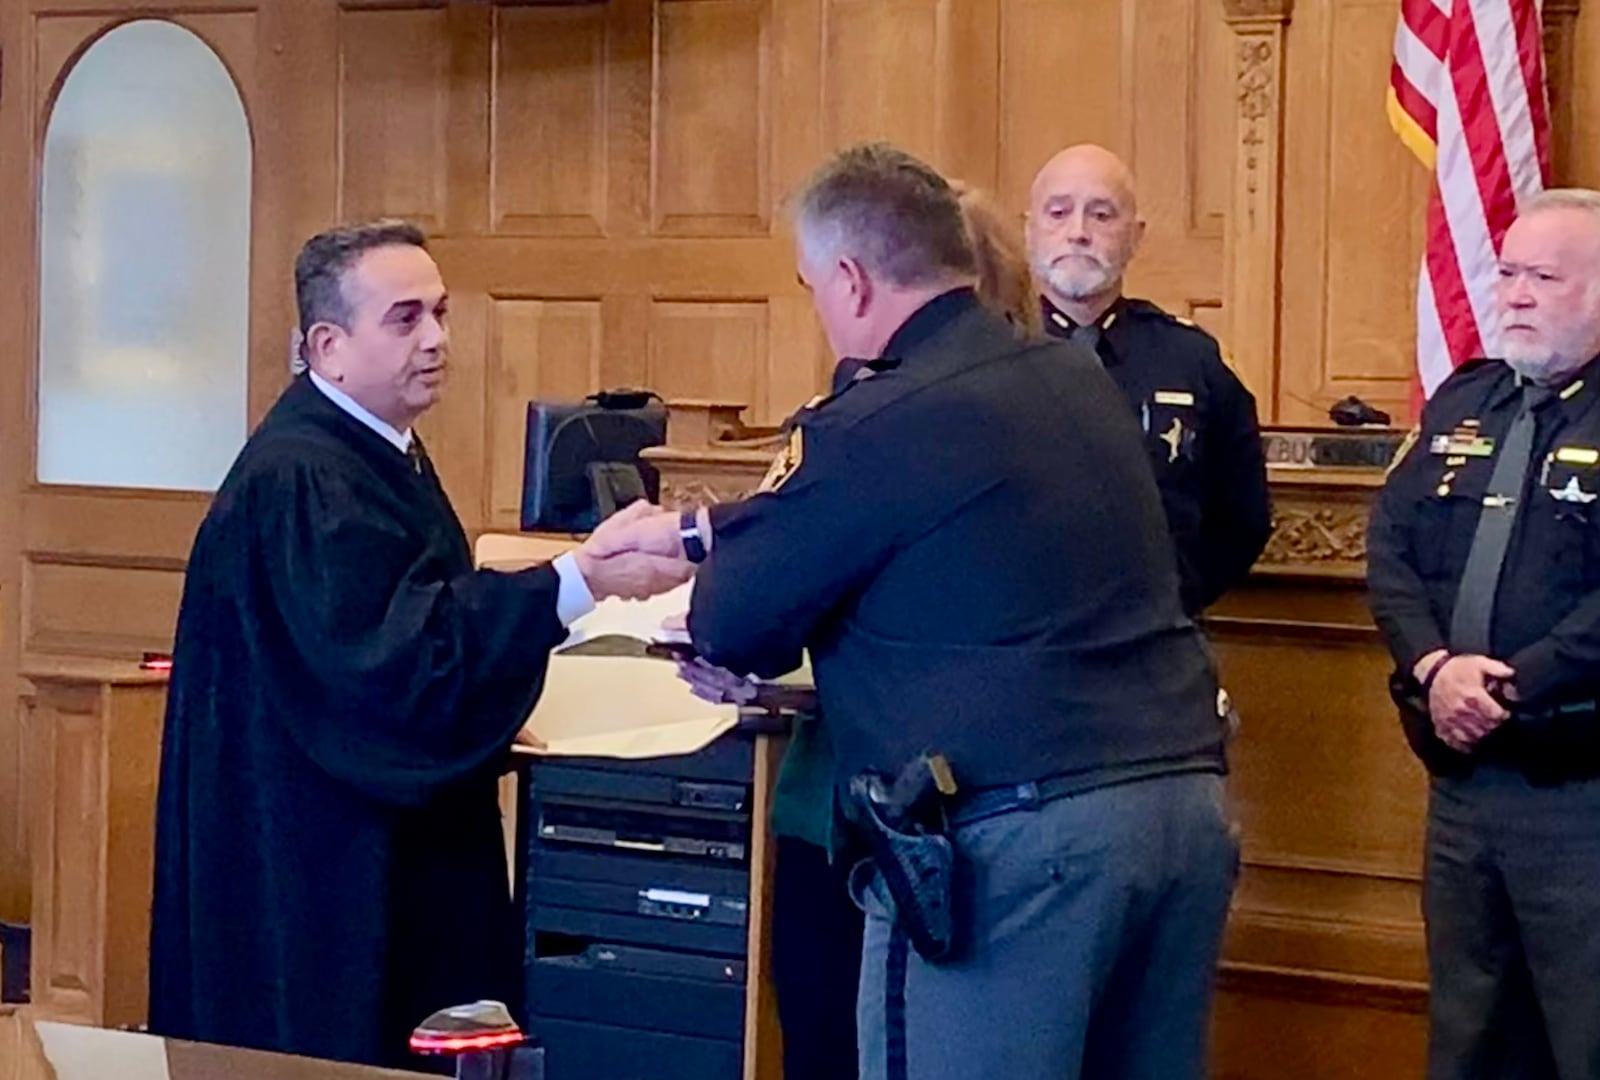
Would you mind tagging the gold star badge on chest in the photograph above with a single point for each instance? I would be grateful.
(1173, 437)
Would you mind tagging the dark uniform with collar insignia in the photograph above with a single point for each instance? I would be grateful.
(970, 546)
(1199, 425)
(1512, 882)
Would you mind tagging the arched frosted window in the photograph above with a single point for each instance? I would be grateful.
(144, 266)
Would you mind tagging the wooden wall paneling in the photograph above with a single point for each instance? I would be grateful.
(799, 363)
(94, 753)
(920, 73)
(1254, 222)
(1064, 79)
(97, 609)
(798, 120)
(630, 82)
(454, 428)
(1582, 166)
(713, 351)
(394, 113)
(625, 341)
(1353, 200)
(1179, 265)
(473, 96)
(304, 79)
(1560, 52)
(711, 154)
(1272, 1029)
(16, 451)
(69, 789)
(1211, 106)
(539, 349)
(877, 60)
(549, 144)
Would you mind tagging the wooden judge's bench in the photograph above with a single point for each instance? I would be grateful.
(1323, 974)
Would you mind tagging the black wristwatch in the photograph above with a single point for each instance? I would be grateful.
(694, 546)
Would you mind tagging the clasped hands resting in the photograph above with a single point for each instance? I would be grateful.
(1466, 696)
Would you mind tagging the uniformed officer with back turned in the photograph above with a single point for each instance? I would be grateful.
(971, 547)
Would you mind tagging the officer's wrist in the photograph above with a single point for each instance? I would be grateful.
(1428, 668)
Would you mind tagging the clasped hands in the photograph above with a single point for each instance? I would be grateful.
(634, 554)
(1461, 699)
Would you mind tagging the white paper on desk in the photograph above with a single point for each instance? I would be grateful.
(623, 707)
(640, 619)
(643, 619)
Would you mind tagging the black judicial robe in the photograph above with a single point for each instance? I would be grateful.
(329, 865)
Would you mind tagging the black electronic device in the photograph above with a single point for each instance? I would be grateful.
(581, 459)
(634, 881)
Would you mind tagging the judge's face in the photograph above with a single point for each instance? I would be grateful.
(1548, 293)
(391, 358)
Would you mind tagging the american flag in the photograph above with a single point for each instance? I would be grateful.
(1467, 96)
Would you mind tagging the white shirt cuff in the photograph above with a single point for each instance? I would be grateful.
(574, 600)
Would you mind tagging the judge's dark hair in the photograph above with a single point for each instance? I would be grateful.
(889, 211)
(320, 268)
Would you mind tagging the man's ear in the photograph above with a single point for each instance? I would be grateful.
(322, 349)
(861, 287)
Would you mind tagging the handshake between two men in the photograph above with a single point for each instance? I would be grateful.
(638, 553)
(634, 554)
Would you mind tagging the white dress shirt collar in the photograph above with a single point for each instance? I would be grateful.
(400, 440)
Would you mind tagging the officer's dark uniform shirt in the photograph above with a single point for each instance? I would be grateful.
(1199, 425)
(970, 544)
(1546, 621)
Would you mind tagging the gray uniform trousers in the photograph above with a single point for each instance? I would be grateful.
(1096, 923)
(1511, 895)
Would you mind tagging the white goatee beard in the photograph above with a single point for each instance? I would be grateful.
(1075, 284)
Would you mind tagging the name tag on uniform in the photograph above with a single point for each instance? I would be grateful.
(1578, 455)
(1462, 444)
(1174, 397)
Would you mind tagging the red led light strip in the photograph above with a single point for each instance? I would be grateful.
(436, 1044)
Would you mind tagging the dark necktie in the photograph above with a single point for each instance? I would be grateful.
(416, 453)
(1087, 336)
(1480, 579)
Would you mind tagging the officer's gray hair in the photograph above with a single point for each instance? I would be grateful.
(889, 211)
(1564, 199)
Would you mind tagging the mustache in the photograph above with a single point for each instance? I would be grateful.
(1089, 255)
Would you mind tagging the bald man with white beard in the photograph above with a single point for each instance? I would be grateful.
(1198, 419)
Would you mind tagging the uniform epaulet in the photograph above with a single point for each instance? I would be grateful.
(1469, 372)
(1144, 309)
(1176, 320)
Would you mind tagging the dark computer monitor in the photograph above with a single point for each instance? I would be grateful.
(581, 460)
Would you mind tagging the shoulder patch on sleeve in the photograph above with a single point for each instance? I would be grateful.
(787, 462)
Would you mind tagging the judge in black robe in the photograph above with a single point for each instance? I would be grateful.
(330, 866)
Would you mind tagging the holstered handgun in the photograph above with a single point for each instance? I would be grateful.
(906, 829)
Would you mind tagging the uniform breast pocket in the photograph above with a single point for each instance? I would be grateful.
(1447, 516)
(1566, 497)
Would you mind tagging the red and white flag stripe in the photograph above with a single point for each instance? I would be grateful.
(1467, 96)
